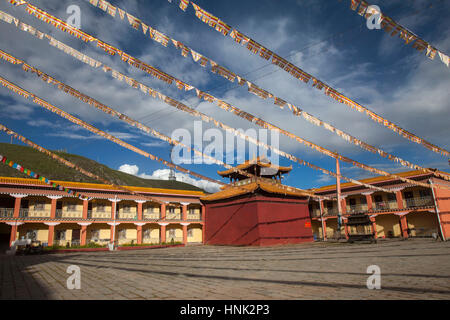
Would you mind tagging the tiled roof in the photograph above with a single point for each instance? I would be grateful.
(258, 161)
(230, 192)
(95, 186)
(379, 179)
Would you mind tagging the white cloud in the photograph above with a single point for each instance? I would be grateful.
(130, 169)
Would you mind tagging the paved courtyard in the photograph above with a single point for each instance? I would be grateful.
(413, 269)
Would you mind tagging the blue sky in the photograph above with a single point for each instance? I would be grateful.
(324, 38)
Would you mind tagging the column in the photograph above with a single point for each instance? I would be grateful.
(185, 225)
(184, 209)
(162, 235)
(345, 228)
(13, 234)
(53, 199)
(404, 226)
(203, 233)
(83, 235)
(399, 198)
(139, 210)
(53, 209)
(374, 226)
(203, 213)
(344, 204)
(139, 233)
(112, 234)
(369, 200)
(324, 229)
(51, 234)
(17, 201)
(85, 209)
(163, 211)
(113, 209)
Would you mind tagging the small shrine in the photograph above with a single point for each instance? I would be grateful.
(257, 211)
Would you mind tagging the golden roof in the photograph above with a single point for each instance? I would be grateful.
(258, 161)
(405, 174)
(96, 186)
(230, 191)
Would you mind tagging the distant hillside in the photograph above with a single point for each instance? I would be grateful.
(52, 169)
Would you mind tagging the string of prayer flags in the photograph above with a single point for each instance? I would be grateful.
(392, 27)
(139, 125)
(36, 176)
(207, 97)
(298, 73)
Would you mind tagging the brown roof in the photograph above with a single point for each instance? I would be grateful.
(230, 192)
(259, 162)
(406, 174)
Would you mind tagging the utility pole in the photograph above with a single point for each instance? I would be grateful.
(338, 187)
(114, 221)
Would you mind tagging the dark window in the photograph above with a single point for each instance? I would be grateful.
(378, 198)
(424, 193)
(409, 195)
(352, 202)
(391, 197)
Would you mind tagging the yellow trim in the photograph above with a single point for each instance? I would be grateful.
(98, 186)
(374, 180)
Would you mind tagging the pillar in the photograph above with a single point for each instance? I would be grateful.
(163, 211)
(112, 233)
(374, 227)
(184, 208)
(324, 228)
(344, 205)
(139, 212)
(345, 228)
(85, 209)
(13, 234)
(113, 209)
(53, 209)
(399, 198)
(163, 233)
(51, 235)
(203, 213)
(139, 232)
(404, 226)
(17, 207)
(203, 232)
(83, 234)
(369, 201)
(185, 233)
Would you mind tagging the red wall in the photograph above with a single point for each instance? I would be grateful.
(443, 203)
(257, 220)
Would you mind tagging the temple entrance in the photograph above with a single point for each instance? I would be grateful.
(5, 235)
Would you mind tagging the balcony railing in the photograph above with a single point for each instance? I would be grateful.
(101, 215)
(127, 216)
(151, 216)
(23, 212)
(330, 212)
(173, 216)
(385, 205)
(6, 212)
(357, 208)
(194, 216)
(418, 202)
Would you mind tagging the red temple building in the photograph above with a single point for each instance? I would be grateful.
(260, 212)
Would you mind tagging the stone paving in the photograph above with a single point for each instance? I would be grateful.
(412, 269)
